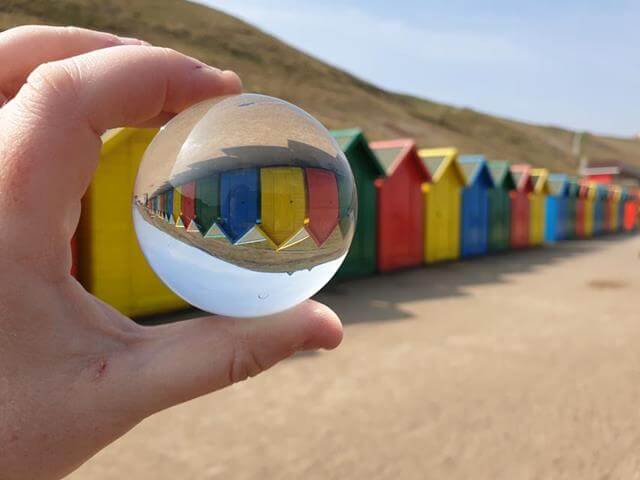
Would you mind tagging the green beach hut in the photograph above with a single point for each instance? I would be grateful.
(500, 205)
(361, 259)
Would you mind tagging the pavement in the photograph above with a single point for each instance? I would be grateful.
(524, 365)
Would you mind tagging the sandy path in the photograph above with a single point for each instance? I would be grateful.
(522, 366)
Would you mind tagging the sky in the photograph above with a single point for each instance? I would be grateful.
(570, 63)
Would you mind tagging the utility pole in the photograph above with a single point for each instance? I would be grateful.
(576, 152)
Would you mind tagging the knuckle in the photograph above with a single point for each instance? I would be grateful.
(168, 54)
(55, 80)
(244, 364)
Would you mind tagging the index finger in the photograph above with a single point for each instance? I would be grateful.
(50, 134)
(23, 48)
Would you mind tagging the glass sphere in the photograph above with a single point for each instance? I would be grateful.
(244, 205)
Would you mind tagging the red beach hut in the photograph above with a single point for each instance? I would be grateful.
(322, 196)
(400, 204)
(520, 205)
(188, 191)
(631, 211)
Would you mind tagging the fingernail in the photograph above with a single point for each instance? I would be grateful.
(133, 41)
(231, 75)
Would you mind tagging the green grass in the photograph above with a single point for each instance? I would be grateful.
(335, 97)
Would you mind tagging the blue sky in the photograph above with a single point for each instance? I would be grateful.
(569, 63)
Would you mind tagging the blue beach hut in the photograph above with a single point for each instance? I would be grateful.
(169, 204)
(557, 221)
(238, 202)
(475, 205)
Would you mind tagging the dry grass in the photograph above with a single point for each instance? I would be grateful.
(338, 99)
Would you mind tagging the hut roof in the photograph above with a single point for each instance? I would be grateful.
(350, 138)
(573, 186)
(501, 173)
(522, 175)
(438, 160)
(540, 177)
(391, 154)
(475, 169)
(558, 184)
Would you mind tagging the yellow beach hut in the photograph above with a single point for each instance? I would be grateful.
(615, 193)
(112, 265)
(283, 204)
(442, 203)
(538, 202)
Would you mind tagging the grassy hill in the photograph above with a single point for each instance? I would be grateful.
(337, 98)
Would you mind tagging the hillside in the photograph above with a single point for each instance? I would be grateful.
(337, 98)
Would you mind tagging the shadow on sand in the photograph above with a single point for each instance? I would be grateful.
(377, 298)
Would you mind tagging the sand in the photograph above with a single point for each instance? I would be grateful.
(520, 366)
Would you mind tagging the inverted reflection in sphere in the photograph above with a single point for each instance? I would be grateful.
(244, 205)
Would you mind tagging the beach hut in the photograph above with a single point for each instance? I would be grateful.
(500, 205)
(599, 208)
(442, 204)
(572, 199)
(589, 192)
(581, 203)
(239, 201)
(361, 259)
(474, 221)
(188, 196)
(520, 206)
(207, 204)
(630, 217)
(283, 204)
(111, 266)
(538, 198)
(400, 204)
(556, 227)
(613, 196)
(622, 200)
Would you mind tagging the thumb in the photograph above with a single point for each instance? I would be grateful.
(184, 360)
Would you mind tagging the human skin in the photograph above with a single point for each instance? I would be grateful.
(74, 373)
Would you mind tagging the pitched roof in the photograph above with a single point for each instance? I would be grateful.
(438, 160)
(351, 137)
(574, 187)
(501, 173)
(615, 192)
(601, 191)
(474, 167)
(522, 175)
(587, 190)
(558, 185)
(391, 154)
(540, 177)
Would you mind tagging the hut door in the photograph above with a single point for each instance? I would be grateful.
(238, 202)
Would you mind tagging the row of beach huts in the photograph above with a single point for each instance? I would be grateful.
(415, 206)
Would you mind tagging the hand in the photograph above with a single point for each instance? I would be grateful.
(74, 373)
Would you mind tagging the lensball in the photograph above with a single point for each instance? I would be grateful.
(244, 205)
